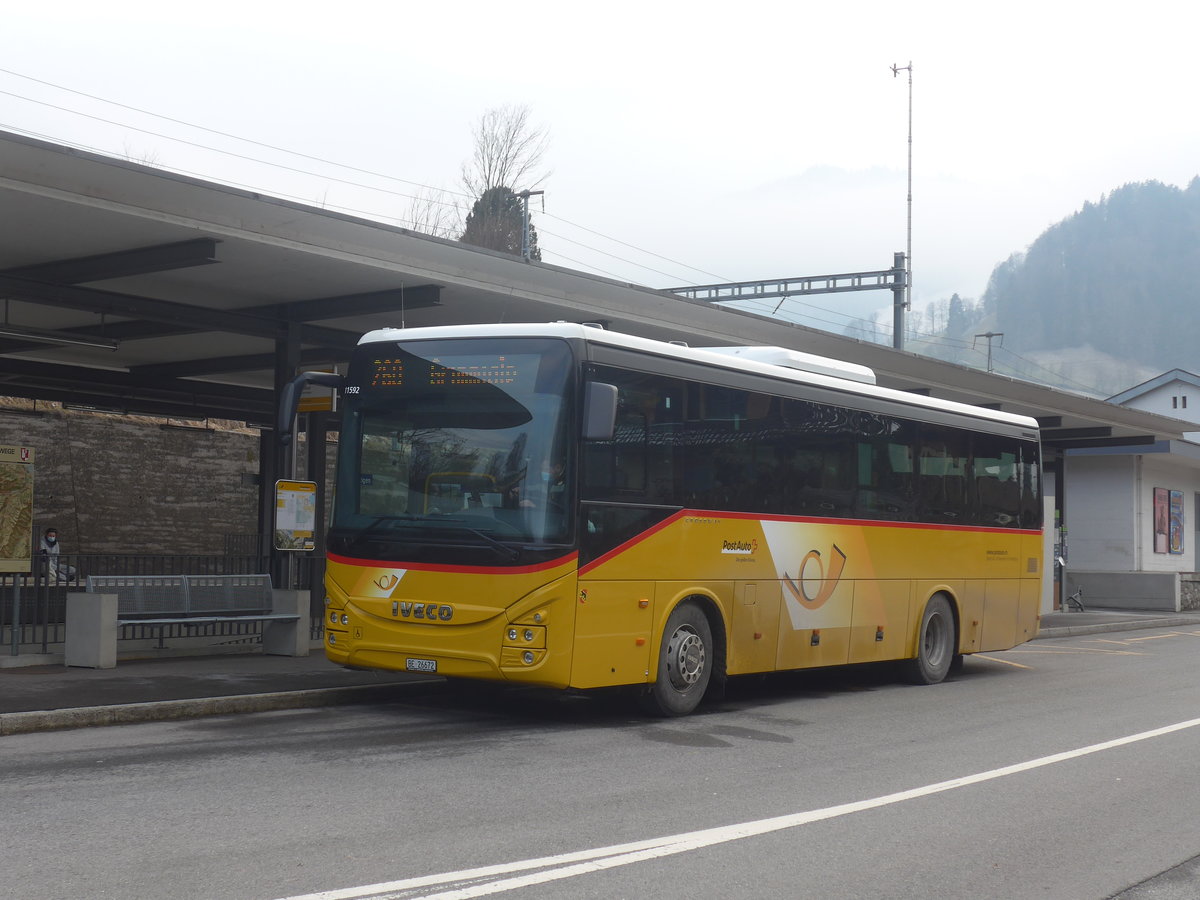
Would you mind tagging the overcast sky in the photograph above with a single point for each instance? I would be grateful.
(690, 143)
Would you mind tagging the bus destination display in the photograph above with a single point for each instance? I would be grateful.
(394, 372)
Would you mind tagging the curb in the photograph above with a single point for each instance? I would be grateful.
(166, 710)
(1123, 625)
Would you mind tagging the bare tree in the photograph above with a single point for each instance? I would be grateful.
(507, 160)
(509, 152)
(433, 212)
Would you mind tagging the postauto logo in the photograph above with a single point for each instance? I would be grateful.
(740, 548)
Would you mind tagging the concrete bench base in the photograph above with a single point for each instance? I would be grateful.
(93, 627)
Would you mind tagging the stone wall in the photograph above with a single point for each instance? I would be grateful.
(1189, 590)
(133, 484)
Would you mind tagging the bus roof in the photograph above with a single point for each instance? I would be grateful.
(775, 362)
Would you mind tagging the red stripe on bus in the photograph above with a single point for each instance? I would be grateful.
(621, 548)
(761, 517)
(470, 570)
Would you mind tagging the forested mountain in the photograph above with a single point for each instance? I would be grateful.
(1120, 276)
(1105, 299)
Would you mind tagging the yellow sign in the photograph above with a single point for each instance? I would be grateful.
(295, 515)
(16, 508)
(317, 398)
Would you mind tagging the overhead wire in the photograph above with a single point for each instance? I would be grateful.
(850, 319)
(283, 195)
(204, 128)
(310, 157)
(344, 181)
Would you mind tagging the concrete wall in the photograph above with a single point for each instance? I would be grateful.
(1126, 590)
(1159, 472)
(126, 484)
(1099, 513)
(1109, 512)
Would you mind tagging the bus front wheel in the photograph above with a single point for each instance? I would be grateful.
(685, 661)
(935, 644)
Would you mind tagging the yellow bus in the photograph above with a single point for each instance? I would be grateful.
(564, 506)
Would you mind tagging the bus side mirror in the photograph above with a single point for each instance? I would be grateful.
(599, 411)
(289, 398)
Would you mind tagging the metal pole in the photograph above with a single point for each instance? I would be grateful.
(16, 615)
(989, 335)
(899, 281)
(524, 195)
(526, 248)
(896, 70)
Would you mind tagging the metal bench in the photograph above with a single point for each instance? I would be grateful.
(184, 603)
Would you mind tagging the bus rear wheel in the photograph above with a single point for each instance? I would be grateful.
(685, 661)
(935, 644)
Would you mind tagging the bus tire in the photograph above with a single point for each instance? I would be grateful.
(685, 663)
(935, 644)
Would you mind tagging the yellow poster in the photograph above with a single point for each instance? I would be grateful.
(295, 515)
(16, 508)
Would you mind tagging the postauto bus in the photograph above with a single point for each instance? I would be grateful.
(560, 505)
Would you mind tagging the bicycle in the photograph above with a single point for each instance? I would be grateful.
(1075, 601)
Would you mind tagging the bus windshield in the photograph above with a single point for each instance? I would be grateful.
(453, 446)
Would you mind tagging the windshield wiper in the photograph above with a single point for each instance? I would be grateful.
(361, 533)
(510, 552)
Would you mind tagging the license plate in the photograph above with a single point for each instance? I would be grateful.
(421, 665)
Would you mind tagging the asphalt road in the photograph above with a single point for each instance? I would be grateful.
(1063, 769)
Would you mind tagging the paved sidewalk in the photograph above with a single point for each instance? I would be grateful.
(1093, 621)
(49, 697)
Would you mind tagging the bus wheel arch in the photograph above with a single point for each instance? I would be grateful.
(691, 659)
(937, 642)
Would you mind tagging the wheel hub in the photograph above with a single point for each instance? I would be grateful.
(685, 658)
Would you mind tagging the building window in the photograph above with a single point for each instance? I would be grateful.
(1174, 403)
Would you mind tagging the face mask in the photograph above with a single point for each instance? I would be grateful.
(51, 540)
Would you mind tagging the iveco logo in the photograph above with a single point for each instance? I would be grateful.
(430, 612)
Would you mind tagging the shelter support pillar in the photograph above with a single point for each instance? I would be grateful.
(280, 461)
(316, 431)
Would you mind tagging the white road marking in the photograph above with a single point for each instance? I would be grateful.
(569, 865)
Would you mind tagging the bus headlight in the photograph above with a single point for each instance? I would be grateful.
(528, 657)
(525, 637)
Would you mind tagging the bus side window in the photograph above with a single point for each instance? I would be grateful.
(638, 464)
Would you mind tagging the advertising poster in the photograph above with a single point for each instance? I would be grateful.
(16, 508)
(295, 515)
(1162, 516)
(1176, 522)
